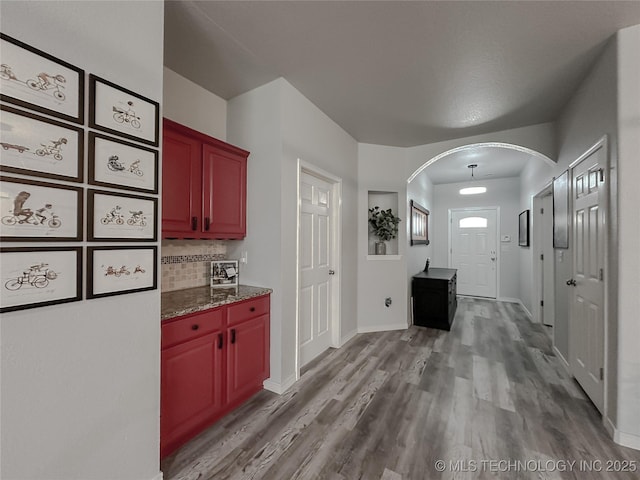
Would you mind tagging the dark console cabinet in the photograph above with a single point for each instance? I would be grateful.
(434, 298)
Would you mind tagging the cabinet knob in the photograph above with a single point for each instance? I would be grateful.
(233, 335)
(252, 309)
(195, 326)
(194, 223)
(207, 223)
(219, 341)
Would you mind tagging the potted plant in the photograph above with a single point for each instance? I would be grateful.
(384, 225)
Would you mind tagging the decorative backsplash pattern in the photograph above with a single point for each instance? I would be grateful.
(185, 263)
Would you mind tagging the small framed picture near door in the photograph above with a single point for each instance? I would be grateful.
(561, 211)
(36, 80)
(120, 270)
(523, 229)
(224, 273)
(38, 277)
(419, 224)
(119, 111)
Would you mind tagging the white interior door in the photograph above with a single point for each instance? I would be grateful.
(314, 263)
(548, 266)
(473, 251)
(587, 297)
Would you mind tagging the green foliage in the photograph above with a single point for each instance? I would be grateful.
(383, 223)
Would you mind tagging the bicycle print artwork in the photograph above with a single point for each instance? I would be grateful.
(37, 276)
(34, 79)
(24, 215)
(116, 217)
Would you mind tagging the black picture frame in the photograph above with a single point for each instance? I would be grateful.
(561, 217)
(419, 228)
(116, 270)
(523, 229)
(115, 226)
(107, 102)
(34, 283)
(127, 178)
(40, 224)
(31, 90)
(48, 160)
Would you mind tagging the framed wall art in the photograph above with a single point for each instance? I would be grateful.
(36, 80)
(120, 270)
(523, 229)
(119, 164)
(419, 224)
(34, 145)
(36, 211)
(224, 273)
(38, 277)
(121, 217)
(561, 211)
(119, 111)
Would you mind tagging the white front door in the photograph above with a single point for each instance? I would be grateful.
(315, 261)
(586, 325)
(473, 251)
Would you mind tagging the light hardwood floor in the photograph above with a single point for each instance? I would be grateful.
(390, 405)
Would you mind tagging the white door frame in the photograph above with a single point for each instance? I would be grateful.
(336, 253)
(472, 209)
(602, 143)
(537, 249)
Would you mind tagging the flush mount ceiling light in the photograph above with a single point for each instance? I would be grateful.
(473, 190)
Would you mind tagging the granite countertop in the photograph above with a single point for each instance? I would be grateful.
(191, 300)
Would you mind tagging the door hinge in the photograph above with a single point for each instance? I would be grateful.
(601, 373)
(601, 174)
(542, 303)
(542, 256)
(601, 274)
(542, 211)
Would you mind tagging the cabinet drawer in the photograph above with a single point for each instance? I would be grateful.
(193, 326)
(248, 309)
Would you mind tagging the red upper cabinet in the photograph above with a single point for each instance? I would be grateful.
(203, 185)
(225, 192)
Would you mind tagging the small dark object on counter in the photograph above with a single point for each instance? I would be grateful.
(426, 266)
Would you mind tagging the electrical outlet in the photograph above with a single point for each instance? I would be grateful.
(244, 258)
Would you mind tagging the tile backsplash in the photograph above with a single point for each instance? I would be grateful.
(185, 263)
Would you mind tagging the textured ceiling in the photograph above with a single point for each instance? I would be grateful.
(400, 73)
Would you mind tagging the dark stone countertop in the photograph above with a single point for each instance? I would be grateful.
(182, 302)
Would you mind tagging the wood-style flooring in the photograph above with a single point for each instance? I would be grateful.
(390, 405)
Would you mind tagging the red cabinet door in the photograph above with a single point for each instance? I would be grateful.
(181, 185)
(247, 357)
(191, 388)
(225, 191)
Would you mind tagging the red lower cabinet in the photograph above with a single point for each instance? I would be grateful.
(210, 366)
(247, 359)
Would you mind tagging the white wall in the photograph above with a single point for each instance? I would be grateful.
(80, 381)
(381, 168)
(628, 420)
(279, 126)
(189, 104)
(591, 114)
(503, 193)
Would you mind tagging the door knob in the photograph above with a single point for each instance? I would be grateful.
(572, 282)
(332, 272)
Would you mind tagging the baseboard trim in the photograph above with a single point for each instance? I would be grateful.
(158, 476)
(509, 300)
(279, 388)
(526, 310)
(348, 337)
(621, 438)
(383, 328)
(563, 360)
